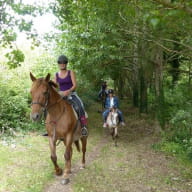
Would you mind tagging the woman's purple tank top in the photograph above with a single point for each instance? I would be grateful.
(64, 83)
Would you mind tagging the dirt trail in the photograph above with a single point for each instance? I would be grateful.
(90, 157)
(133, 166)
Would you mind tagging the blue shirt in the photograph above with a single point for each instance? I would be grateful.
(115, 102)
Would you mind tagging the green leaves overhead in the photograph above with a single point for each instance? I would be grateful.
(15, 57)
(16, 16)
(105, 39)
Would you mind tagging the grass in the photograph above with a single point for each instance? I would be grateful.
(25, 165)
(176, 150)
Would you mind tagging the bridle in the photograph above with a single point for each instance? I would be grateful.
(44, 106)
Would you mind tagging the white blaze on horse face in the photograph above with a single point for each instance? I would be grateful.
(112, 119)
(115, 118)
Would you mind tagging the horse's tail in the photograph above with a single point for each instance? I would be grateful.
(77, 145)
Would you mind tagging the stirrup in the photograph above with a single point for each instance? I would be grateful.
(84, 131)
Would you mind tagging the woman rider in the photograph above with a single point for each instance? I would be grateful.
(67, 85)
(112, 102)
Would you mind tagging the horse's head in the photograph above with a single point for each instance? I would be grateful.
(113, 118)
(40, 96)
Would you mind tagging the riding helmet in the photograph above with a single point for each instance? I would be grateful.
(62, 59)
(110, 91)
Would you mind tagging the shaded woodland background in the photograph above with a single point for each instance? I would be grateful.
(142, 48)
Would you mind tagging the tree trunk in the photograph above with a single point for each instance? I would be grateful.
(143, 92)
(160, 113)
(120, 86)
(135, 95)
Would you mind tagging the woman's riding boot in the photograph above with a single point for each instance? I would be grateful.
(84, 130)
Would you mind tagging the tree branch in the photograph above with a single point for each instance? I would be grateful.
(173, 41)
(179, 6)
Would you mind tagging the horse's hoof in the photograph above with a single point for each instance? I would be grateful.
(65, 181)
(59, 172)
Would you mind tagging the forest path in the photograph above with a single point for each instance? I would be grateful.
(132, 166)
(90, 157)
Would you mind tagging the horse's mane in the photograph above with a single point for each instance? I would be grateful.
(52, 84)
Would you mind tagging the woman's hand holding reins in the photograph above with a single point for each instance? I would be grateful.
(66, 93)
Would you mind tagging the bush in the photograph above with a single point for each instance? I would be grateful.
(179, 121)
(15, 98)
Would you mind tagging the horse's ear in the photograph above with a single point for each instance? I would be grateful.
(32, 77)
(47, 78)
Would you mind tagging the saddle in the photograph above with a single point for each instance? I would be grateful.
(76, 107)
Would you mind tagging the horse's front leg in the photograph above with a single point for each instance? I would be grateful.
(68, 157)
(52, 145)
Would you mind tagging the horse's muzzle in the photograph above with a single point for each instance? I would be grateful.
(35, 116)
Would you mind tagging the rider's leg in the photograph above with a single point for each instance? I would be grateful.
(83, 119)
(105, 114)
(121, 119)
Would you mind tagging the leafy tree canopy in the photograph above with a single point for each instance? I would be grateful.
(15, 17)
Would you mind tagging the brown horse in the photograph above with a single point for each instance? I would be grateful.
(61, 121)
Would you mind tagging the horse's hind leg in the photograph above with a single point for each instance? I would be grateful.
(84, 144)
(52, 145)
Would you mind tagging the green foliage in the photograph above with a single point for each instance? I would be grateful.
(116, 39)
(13, 103)
(15, 58)
(44, 65)
(16, 16)
(178, 133)
(182, 125)
(136, 44)
(170, 147)
(15, 98)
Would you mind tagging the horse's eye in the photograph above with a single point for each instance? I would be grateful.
(45, 93)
